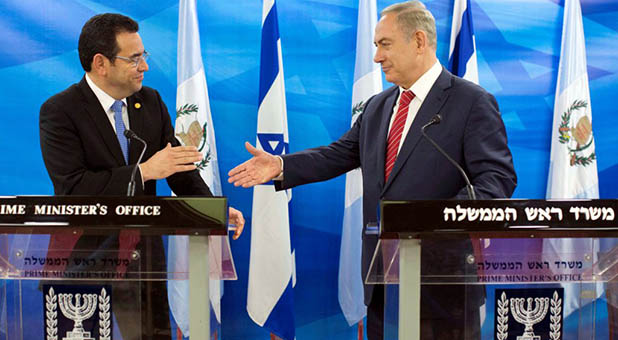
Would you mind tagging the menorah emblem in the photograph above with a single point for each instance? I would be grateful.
(83, 309)
(530, 315)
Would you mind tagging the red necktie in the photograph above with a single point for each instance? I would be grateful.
(394, 135)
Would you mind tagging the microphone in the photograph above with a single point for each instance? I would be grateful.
(132, 135)
(434, 121)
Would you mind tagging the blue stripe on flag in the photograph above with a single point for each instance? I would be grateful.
(281, 320)
(270, 36)
(464, 45)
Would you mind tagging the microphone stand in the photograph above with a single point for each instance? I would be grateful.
(132, 135)
(436, 120)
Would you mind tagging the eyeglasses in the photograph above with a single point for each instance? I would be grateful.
(135, 60)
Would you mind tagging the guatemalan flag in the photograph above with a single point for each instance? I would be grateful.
(573, 163)
(193, 127)
(271, 264)
(462, 49)
(367, 82)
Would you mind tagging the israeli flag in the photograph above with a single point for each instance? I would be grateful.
(573, 163)
(193, 127)
(367, 82)
(270, 301)
(462, 49)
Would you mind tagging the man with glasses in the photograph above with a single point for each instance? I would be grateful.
(86, 153)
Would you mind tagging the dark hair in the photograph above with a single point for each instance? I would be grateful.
(99, 36)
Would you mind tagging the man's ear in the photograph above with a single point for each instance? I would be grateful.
(100, 63)
(420, 39)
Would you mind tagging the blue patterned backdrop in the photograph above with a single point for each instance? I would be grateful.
(518, 43)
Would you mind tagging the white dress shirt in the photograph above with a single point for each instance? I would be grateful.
(106, 102)
(420, 89)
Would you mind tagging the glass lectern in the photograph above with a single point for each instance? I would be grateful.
(504, 269)
(98, 268)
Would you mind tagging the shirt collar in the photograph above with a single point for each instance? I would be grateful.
(105, 99)
(423, 85)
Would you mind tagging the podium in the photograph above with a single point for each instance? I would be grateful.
(95, 267)
(533, 269)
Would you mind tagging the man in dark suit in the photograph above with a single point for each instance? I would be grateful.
(396, 163)
(86, 153)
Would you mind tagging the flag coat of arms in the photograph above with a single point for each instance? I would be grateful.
(573, 166)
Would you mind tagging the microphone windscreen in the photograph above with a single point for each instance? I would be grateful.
(129, 134)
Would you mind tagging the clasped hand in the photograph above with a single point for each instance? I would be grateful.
(169, 161)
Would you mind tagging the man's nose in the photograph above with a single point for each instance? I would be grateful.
(143, 65)
(377, 57)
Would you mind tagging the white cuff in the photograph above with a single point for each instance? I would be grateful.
(280, 176)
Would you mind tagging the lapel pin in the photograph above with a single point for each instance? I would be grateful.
(138, 105)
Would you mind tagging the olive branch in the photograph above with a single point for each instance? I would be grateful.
(358, 108)
(564, 128)
(577, 160)
(186, 109)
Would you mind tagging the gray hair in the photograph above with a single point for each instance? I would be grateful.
(413, 16)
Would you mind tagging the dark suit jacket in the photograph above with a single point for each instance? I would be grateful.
(471, 132)
(82, 153)
(83, 156)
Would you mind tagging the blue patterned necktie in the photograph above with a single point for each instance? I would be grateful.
(124, 144)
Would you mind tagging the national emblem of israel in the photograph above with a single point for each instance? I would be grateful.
(529, 314)
(85, 312)
(578, 136)
(195, 134)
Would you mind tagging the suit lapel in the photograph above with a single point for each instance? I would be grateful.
(385, 118)
(135, 107)
(101, 121)
(431, 106)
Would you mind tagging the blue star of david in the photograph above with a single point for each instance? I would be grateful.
(273, 143)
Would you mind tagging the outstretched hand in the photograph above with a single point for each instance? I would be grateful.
(261, 168)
